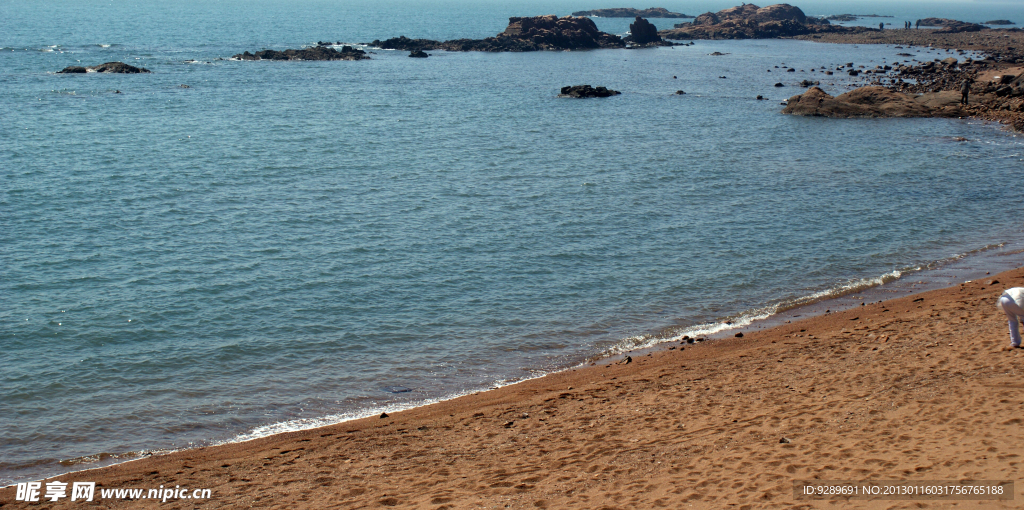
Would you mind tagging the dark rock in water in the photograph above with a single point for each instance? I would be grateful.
(842, 17)
(680, 93)
(109, 67)
(405, 44)
(313, 53)
(779, 85)
(626, 12)
(809, 83)
(790, 70)
(1000, 22)
(396, 389)
(118, 67)
(537, 33)
(183, 86)
(642, 32)
(760, 98)
(418, 54)
(582, 91)
(950, 26)
(854, 72)
(717, 54)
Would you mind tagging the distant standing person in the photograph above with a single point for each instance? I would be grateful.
(881, 25)
(1012, 304)
(918, 24)
(965, 90)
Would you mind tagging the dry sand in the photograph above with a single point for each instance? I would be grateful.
(921, 387)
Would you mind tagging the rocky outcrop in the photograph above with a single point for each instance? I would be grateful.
(749, 21)
(418, 54)
(644, 34)
(109, 67)
(312, 53)
(405, 44)
(950, 26)
(862, 102)
(627, 12)
(583, 91)
(1000, 22)
(537, 33)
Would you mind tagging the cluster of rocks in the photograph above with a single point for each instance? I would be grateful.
(950, 26)
(749, 21)
(583, 91)
(930, 89)
(109, 67)
(1000, 22)
(319, 52)
(627, 12)
(643, 34)
(537, 33)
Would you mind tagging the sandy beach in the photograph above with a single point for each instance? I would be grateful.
(922, 387)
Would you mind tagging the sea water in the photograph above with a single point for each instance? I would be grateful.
(285, 244)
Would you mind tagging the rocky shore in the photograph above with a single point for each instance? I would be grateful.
(996, 87)
(536, 33)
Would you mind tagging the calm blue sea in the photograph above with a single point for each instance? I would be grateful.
(285, 244)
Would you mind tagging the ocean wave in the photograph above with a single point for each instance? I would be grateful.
(748, 317)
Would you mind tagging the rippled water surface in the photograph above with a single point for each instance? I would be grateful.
(285, 241)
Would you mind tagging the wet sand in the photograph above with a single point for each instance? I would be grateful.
(921, 387)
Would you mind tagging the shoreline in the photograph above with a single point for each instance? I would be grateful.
(912, 280)
(716, 390)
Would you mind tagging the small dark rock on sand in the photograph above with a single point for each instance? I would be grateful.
(584, 91)
(109, 67)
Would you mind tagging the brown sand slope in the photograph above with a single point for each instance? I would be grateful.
(917, 388)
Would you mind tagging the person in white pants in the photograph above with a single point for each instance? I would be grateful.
(1012, 304)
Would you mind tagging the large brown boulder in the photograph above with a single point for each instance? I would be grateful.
(862, 102)
(779, 12)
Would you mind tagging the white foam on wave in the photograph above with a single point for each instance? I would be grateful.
(334, 419)
(748, 317)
